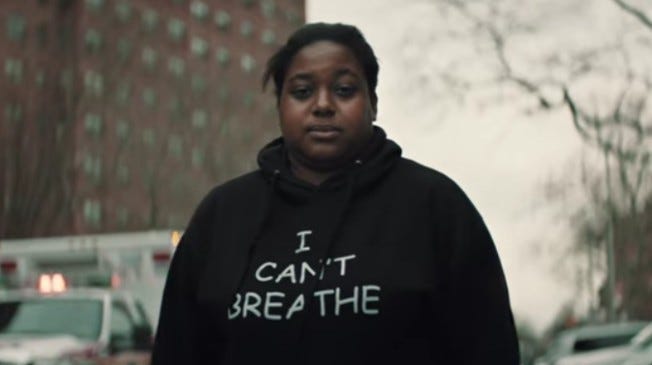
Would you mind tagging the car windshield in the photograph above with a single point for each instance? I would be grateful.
(81, 318)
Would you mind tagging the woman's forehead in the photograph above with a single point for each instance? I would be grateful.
(324, 57)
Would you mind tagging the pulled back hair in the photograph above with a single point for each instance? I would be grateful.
(346, 35)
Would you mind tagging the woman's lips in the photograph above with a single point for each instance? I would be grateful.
(323, 131)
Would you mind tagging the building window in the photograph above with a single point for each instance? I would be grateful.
(246, 28)
(149, 97)
(66, 79)
(93, 212)
(122, 93)
(122, 217)
(16, 27)
(248, 99)
(197, 158)
(122, 173)
(95, 5)
(199, 47)
(148, 137)
(124, 49)
(150, 19)
(93, 40)
(176, 28)
(93, 124)
(94, 83)
(198, 83)
(248, 3)
(13, 113)
(222, 55)
(292, 17)
(248, 63)
(199, 10)
(14, 70)
(176, 66)
(175, 146)
(199, 119)
(39, 78)
(222, 20)
(268, 7)
(93, 168)
(268, 37)
(42, 35)
(122, 130)
(149, 57)
(123, 11)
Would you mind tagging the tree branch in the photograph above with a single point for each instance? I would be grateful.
(635, 12)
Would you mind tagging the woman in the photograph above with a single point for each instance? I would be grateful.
(337, 250)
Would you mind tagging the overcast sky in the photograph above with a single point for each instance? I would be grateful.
(500, 155)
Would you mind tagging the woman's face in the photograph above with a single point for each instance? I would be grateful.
(325, 108)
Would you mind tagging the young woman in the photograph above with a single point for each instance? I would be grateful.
(336, 250)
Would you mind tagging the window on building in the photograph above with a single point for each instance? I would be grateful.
(93, 167)
(268, 8)
(199, 10)
(13, 113)
(150, 19)
(93, 212)
(199, 119)
(123, 92)
(39, 78)
(14, 70)
(94, 83)
(292, 17)
(93, 124)
(248, 3)
(175, 146)
(176, 66)
(148, 137)
(122, 130)
(123, 49)
(199, 47)
(95, 5)
(222, 20)
(248, 63)
(16, 27)
(246, 28)
(176, 29)
(197, 158)
(198, 83)
(123, 11)
(149, 97)
(122, 173)
(248, 99)
(222, 55)
(42, 35)
(66, 79)
(122, 217)
(93, 40)
(149, 57)
(268, 37)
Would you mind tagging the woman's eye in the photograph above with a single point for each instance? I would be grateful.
(345, 90)
(301, 92)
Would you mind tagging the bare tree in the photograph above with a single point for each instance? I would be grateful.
(604, 86)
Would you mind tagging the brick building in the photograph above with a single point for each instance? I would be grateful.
(121, 114)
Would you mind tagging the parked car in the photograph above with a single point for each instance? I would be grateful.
(585, 340)
(78, 326)
(640, 352)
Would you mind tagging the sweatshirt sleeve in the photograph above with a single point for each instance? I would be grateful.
(476, 318)
(178, 334)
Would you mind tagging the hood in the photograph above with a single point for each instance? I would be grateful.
(375, 160)
(24, 349)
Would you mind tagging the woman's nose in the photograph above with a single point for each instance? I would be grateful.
(323, 104)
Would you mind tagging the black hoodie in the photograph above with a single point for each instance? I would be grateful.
(386, 263)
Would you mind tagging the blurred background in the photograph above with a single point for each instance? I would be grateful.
(119, 115)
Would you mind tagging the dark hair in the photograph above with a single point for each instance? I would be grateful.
(346, 35)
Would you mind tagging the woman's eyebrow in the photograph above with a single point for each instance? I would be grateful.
(300, 76)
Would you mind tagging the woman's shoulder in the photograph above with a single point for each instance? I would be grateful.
(413, 172)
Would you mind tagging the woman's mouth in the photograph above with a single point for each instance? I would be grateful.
(323, 131)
